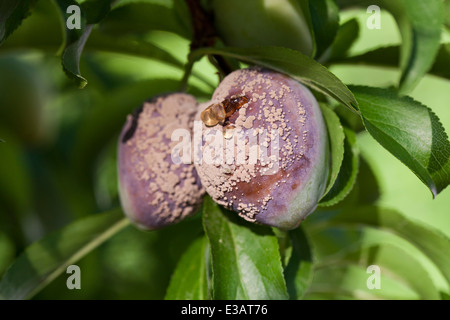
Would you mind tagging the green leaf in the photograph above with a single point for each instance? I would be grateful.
(12, 12)
(367, 187)
(45, 259)
(71, 58)
(447, 13)
(245, 257)
(336, 138)
(345, 37)
(39, 33)
(402, 265)
(291, 62)
(250, 23)
(141, 17)
(190, 281)
(347, 173)
(365, 246)
(299, 271)
(16, 196)
(325, 21)
(350, 281)
(74, 41)
(304, 7)
(410, 131)
(388, 56)
(16, 183)
(91, 13)
(139, 48)
(420, 23)
(7, 252)
(440, 67)
(434, 244)
(96, 10)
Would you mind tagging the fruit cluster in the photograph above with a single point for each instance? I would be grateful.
(263, 153)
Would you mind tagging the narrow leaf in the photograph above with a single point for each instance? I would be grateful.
(190, 281)
(291, 62)
(39, 33)
(250, 23)
(110, 115)
(141, 17)
(420, 24)
(75, 39)
(45, 259)
(299, 271)
(12, 12)
(434, 244)
(410, 131)
(325, 21)
(345, 37)
(245, 257)
(388, 56)
(447, 13)
(350, 281)
(347, 173)
(366, 246)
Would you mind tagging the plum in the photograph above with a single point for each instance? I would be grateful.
(154, 190)
(269, 160)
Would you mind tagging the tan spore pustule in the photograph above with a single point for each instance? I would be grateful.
(283, 119)
(155, 191)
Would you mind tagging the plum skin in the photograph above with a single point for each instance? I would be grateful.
(154, 191)
(285, 198)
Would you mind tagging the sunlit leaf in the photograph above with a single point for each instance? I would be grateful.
(325, 21)
(367, 246)
(336, 138)
(190, 279)
(345, 37)
(245, 257)
(107, 118)
(408, 130)
(45, 259)
(251, 23)
(388, 56)
(350, 281)
(293, 63)
(434, 244)
(420, 23)
(141, 17)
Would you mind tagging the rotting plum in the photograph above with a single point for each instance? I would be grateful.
(155, 191)
(278, 190)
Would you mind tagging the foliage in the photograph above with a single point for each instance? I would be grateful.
(59, 153)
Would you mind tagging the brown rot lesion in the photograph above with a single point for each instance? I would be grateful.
(219, 113)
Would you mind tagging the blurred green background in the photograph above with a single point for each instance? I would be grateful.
(58, 158)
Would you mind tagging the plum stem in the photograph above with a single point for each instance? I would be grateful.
(205, 35)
